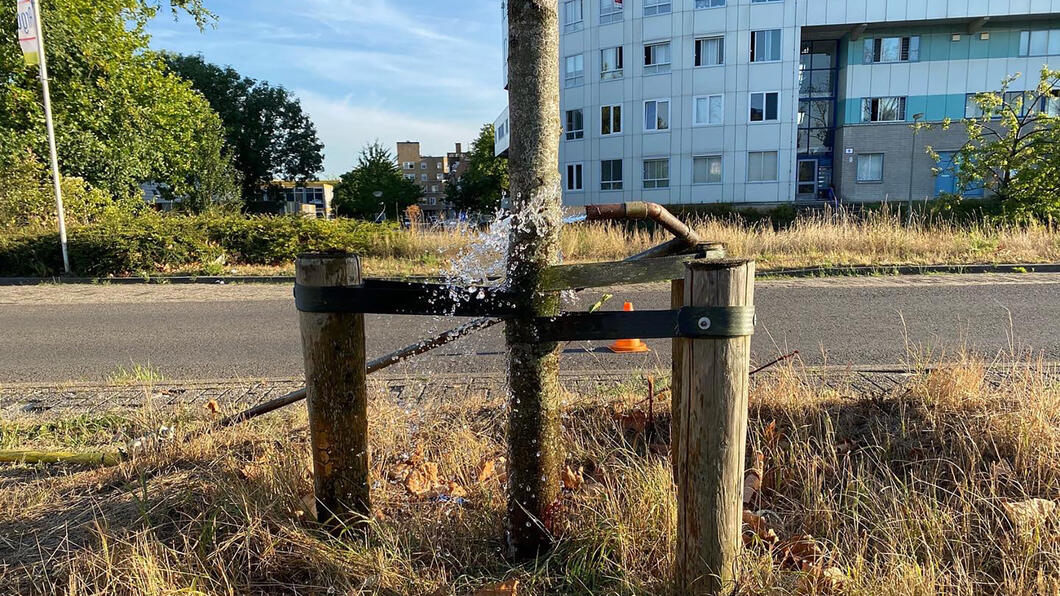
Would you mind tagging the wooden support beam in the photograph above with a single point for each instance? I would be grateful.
(333, 347)
(710, 442)
(599, 275)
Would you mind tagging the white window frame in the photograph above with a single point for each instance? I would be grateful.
(612, 119)
(776, 169)
(655, 122)
(439, 176)
(573, 134)
(721, 175)
(616, 71)
(882, 157)
(697, 53)
(756, 55)
(612, 183)
(423, 177)
(423, 165)
(610, 12)
(903, 108)
(708, 4)
(410, 165)
(912, 53)
(573, 22)
(574, 78)
(658, 67)
(765, 103)
(695, 112)
(578, 171)
(657, 7)
(655, 183)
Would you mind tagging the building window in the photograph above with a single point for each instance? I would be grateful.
(765, 106)
(1022, 102)
(423, 165)
(572, 16)
(610, 11)
(710, 51)
(434, 188)
(762, 1)
(656, 7)
(883, 109)
(706, 169)
(432, 201)
(575, 128)
(765, 45)
(438, 165)
(656, 173)
(971, 107)
(707, 110)
(439, 176)
(410, 177)
(657, 114)
(610, 120)
(709, 3)
(410, 165)
(762, 166)
(870, 167)
(611, 174)
(657, 58)
(892, 49)
(611, 63)
(574, 176)
(423, 177)
(1040, 43)
(574, 74)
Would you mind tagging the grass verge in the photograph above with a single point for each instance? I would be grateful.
(924, 491)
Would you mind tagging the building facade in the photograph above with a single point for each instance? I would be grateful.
(312, 198)
(774, 101)
(429, 173)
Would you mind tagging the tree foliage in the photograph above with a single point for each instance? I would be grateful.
(120, 119)
(480, 188)
(376, 172)
(269, 135)
(1011, 149)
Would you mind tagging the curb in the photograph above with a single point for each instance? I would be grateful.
(848, 271)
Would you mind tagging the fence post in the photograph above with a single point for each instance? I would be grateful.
(711, 435)
(337, 395)
(677, 300)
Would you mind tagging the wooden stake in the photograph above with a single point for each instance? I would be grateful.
(711, 436)
(677, 300)
(337, 396)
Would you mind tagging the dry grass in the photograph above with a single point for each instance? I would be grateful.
(904, 493)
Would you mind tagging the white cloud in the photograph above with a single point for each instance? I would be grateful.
(345, 127)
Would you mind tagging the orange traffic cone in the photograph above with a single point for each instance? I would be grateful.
(628, 346)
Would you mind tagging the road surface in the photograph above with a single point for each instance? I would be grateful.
(57, 333)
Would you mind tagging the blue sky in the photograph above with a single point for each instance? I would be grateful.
(394, 70)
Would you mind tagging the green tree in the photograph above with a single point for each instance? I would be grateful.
(1011, 148)
(266, 130)
(120, 119)
(480, 188)
(376, 173)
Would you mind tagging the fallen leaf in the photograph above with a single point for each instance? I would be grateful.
(572, 480)
(1029, 514)
(213, 407)
(798, 551)
(422, 478)
(770, 434)
(455, 490)
(759, 528)
(752, 478)
(489, 469)
(505, 588)
(822, 581)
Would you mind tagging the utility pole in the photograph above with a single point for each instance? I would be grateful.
(535, 450)
(31, 38)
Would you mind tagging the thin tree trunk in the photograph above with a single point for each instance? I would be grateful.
(534, 443)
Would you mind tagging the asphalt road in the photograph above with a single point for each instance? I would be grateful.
(861, 322)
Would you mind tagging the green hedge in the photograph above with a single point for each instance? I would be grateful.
(152, 243)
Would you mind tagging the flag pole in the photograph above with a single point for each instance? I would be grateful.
(51, 134)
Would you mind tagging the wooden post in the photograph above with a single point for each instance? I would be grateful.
(337, 396)
(535, 448)
(712, 435)
(677, 300)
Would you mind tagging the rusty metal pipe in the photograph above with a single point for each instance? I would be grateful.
(638, 210)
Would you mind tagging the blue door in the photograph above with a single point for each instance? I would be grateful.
(946, 179)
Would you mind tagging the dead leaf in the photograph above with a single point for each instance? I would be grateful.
(505, 588)
(798, 551)
(422, 478)
(1029, 514)
(822, 581)
(759, 527)
(491, 468)
(634, 420)
(455, 490)
(213, 407)
(770, 434)
(572, 480)
(752, 478)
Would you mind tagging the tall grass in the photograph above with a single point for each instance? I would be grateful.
(904, 493)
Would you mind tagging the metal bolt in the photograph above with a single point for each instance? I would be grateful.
(704, 323)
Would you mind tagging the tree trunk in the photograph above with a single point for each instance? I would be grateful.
(535, 452)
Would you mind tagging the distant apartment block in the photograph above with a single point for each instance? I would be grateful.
(430, 173)
(775, 101)
(307, 198)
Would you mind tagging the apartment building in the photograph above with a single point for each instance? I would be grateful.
(775, 101)
(429, 173)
